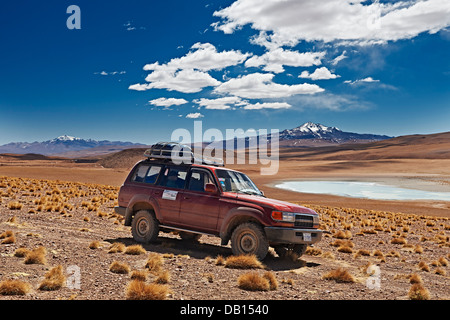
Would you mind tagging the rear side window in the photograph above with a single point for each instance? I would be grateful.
(174, 178)
(146, 173)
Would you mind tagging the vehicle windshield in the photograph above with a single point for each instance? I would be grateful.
(232, 181)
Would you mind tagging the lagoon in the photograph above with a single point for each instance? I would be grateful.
(365, 190)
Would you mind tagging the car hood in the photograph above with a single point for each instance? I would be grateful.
(268, 202)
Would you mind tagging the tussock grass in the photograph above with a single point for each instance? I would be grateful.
(53, 280)
(415, 278)
(14, 287)
(116, 247)
(139, 290)
(154, 263)
(418, 292)
(136, 249)
(36, 256)
(339, 275)
(94, 245)
(21, 252)
(243, 262)
(140, 275)
(119, 267)
(15, 205)
(253, 281)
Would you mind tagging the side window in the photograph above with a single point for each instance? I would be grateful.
(152, 175)
(198, 180)
(174, 178)
(140, 172)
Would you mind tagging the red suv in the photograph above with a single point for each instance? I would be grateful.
(197, 199)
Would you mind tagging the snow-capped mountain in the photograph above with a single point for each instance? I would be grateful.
(59, 145)
(316, 132)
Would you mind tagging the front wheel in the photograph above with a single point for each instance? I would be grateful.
(249, 238)
(145, 227)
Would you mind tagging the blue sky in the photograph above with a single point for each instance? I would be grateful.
(137, 70)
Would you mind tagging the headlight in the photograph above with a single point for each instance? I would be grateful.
(283, 216)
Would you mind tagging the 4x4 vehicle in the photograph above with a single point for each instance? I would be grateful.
(195, 199)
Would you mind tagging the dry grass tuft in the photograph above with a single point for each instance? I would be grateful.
(36, 256)
(139, 290)
(339, 275)
(119, 267)
(154, 263)
(136, 249)
(117, 247)
(21, 252)
(399, 240)
(94, 245)
(54, 279)
(252, 281)
(163, 277)
(415, 278)
(243, 262)
(140, 275)
(14, 287)
(418, 292)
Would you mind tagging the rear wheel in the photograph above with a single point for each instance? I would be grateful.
(145, 227)
(249, 238)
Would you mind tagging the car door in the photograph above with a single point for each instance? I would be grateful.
(168, 196)
(199, 210)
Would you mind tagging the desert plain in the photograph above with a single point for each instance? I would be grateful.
(388, 250)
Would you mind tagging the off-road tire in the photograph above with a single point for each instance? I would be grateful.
(249, 238)
(145, 227)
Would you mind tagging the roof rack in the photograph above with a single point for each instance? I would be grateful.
(164, 150)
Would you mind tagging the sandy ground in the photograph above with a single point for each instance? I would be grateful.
(75, 212)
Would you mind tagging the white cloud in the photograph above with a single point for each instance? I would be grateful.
(339, 58)
(267, 105)
(167, 102)
(187, 81)
(196, 115)
(104, 73)
(261, 86)
(203, 57)
(188, 74)
(319, 74)
(274, 60)
(356, 21)
(359, 81)
(224, 103)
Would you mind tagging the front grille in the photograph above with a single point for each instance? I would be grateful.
(303, 221)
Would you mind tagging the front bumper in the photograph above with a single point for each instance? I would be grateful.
(277, 235)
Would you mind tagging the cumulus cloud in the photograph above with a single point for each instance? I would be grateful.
(224, 103)
(319, 74)
(195, 115)
(186, 81)
(358, 22)
(167, 102)
(274, 60)
(261, 86)
(203, 57)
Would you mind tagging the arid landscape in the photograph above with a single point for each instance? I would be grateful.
(59, 212)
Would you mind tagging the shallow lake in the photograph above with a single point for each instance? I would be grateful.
(366, 190)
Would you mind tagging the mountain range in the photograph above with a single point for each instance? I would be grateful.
(64, 146)
(307, 135)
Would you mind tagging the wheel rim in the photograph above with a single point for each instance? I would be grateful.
(143, 227)
(248, 243)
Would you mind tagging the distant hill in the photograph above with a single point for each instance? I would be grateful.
(64, 146)
(430, 146)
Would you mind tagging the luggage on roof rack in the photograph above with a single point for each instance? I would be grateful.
(182, 153)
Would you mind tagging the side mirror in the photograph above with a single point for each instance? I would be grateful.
(210, 188)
